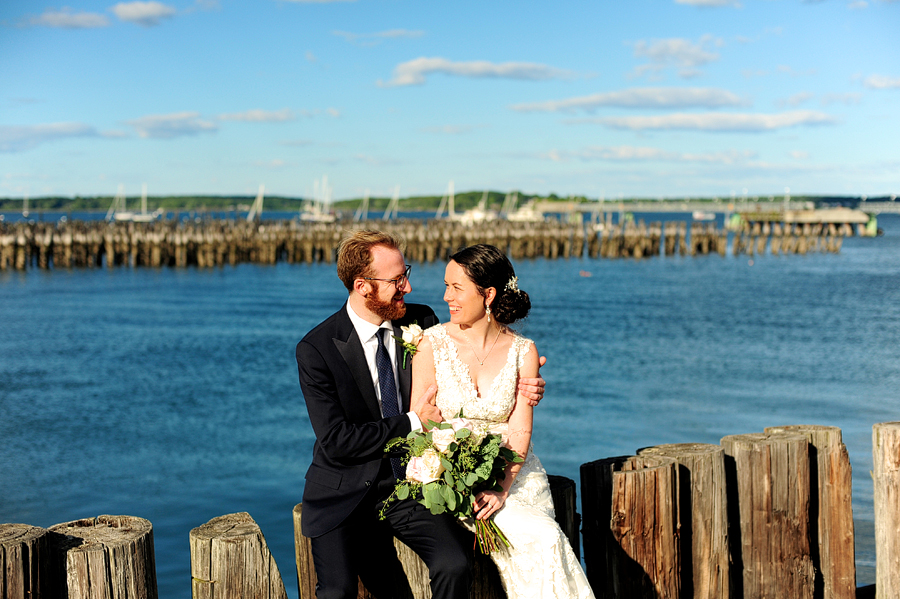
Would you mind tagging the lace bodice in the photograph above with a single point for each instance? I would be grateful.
(456, 389)
(540, 564)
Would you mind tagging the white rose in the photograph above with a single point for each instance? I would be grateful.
(442, 438)
(432, 466)
(412, 334)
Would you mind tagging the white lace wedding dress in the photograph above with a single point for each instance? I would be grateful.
(540, 563)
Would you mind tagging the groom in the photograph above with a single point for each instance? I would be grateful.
(357, 396)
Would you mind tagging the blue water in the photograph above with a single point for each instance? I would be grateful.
(173, 395)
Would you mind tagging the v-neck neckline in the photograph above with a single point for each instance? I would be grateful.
(468, 371)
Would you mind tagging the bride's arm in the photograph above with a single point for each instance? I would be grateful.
(421, 395)
(518, 439)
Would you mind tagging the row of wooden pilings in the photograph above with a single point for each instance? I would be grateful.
(762, 515)
(208, 243)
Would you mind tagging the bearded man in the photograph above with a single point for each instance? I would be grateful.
(357, 395)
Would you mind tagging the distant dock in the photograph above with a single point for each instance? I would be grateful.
(212, 243)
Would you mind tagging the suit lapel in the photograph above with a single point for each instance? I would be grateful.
(349, 345)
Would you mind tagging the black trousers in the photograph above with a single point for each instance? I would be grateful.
(363, 546)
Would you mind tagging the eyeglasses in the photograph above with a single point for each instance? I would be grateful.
(400, 282)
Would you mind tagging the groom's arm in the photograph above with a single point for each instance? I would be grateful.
(532, 389)
(340, 436)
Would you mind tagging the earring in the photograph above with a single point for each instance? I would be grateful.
(487, 309)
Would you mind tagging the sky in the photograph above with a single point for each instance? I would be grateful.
(600, 98)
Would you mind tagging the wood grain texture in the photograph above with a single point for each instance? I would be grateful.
(703, 516)
(831, 512)
(231, 560)
(23, 553)
(768, 496)
(631, 529)
(886, 474)
(107, 557)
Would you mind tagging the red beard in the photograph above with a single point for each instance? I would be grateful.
(385, 310)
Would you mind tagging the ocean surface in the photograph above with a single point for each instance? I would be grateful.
(172, 394)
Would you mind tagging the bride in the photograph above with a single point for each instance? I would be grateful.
(475, 360)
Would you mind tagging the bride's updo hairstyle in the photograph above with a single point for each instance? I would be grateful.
(487, 266)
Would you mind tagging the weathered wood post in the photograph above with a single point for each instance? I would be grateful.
(230, 560)
(886, 474)
(106, 556)
(24, 551)
(630, 511)
(768, 502)
(831, 511)
(703, 514)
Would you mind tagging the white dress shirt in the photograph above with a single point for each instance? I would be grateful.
(370, 335)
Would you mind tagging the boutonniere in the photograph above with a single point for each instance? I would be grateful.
(410, 339)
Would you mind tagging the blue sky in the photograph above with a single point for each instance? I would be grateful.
(648, 98)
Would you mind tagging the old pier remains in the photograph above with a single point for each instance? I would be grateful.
(209, 243)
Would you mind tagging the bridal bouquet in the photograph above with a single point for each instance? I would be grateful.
(447, 466)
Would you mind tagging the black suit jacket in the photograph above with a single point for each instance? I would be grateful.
(348, 455)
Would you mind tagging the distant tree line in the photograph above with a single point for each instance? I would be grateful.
(462, 201)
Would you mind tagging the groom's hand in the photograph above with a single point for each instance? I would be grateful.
(533, 389)
(425, 407)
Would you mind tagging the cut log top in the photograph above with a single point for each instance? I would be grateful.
(107, 531)
(679, 450)
(819, 436)
(757, 439)
(229, 526)
(11, 534)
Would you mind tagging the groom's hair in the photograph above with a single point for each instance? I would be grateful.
(355, 254)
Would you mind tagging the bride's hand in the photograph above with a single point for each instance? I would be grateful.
(488, 502)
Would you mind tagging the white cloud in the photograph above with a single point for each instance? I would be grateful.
(797, 99)
(168, 126)
(20, 138)
(859, 4)
(318, 1)
(678, 52)
(847, 99)
(716, 121)
(372, 39)
(799, 155)
(644, 154)
(646, 97)
(66, 19)
(333, 112)
(259, 116)
(414, 71)
(881, 82)
(146, 14)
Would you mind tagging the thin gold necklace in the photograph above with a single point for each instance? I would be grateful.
(472, 347)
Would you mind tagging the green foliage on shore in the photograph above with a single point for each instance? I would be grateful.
(463, 201)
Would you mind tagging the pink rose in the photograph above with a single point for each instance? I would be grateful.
(425, 468)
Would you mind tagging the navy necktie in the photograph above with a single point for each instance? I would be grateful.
(388, 388)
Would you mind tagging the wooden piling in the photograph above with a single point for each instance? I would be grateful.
(630, 511)
(230, 560)
(831, 510)
(24, 552)
(886, 475)
(106, 556)
(768, 482)
(705, 559)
